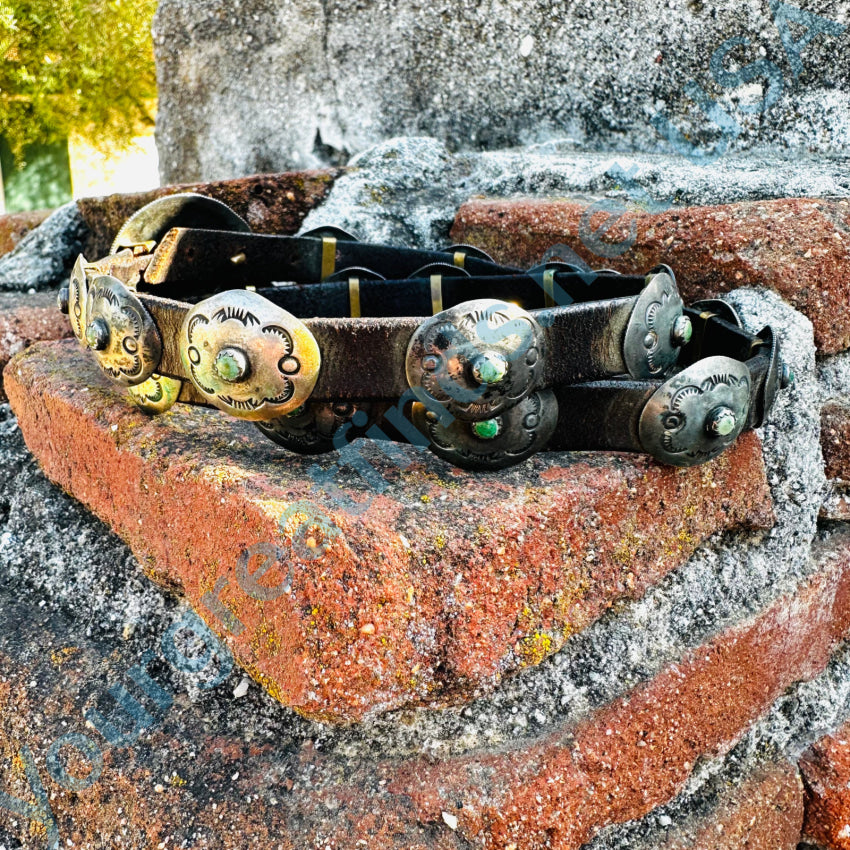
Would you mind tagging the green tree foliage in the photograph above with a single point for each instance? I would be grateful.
(75, 66)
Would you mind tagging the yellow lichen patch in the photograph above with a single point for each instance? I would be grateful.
(225, 473)
(275, 508)
(231, 606)
(446, 485)
(60, 656)
(681, 542)
(686, 539)
(271, 687)
(177, 781)
(265, 642)
(524, 617)
(576, 586)
(377, 194)
(535, 648)
(628, 547)
(209, 575)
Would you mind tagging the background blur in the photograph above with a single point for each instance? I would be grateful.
(239, 87)
(77, 100)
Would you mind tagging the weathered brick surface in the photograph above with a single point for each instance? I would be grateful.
(197, 778)
(798, 247)
(437, 584)
(14, 226)
(25, 319)
(826, 775)
(270, 203)
(764, 812)
(637, 752)
(835, 440)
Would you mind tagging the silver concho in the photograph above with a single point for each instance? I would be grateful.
(657, 328)
(698, 413)
(77, 292)
(249, 357)
(495, 443)
(477, 359)
(121, 332)
(310, 428)
(157, 394)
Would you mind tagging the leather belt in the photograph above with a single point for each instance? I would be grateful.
(485, 363)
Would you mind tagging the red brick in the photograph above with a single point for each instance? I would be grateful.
(445, 582)
(835, 440)
(193, 779)
(826, 774)
(25, 319)
(270, 203)
(764, 812)
(236, 787)
(798, 247)
(14, 226)
(636, 753)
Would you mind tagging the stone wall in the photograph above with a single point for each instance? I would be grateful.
(588, 649)
(252, 86)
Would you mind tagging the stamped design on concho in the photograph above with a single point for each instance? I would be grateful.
(477, 359)
(157, 394)
(698, 413)
(311, 428)
(77, 293)
(495, 443)
(249, 357)
(657, 328)
(120, 332)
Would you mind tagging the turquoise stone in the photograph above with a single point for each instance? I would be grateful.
(231, 365)
(490, 368)
(486, 430)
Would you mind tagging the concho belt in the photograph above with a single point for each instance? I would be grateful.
(320, 339)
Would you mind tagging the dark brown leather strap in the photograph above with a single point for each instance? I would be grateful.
(583, 342)
(605, 414)
(229, 260)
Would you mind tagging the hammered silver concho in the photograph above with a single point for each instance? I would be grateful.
(77, 292)
(249, 357)
(157, 394)
(477, 359)
(118, 329)
(504, 440)
(657, 328)
(698, 413)
(310, 429)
